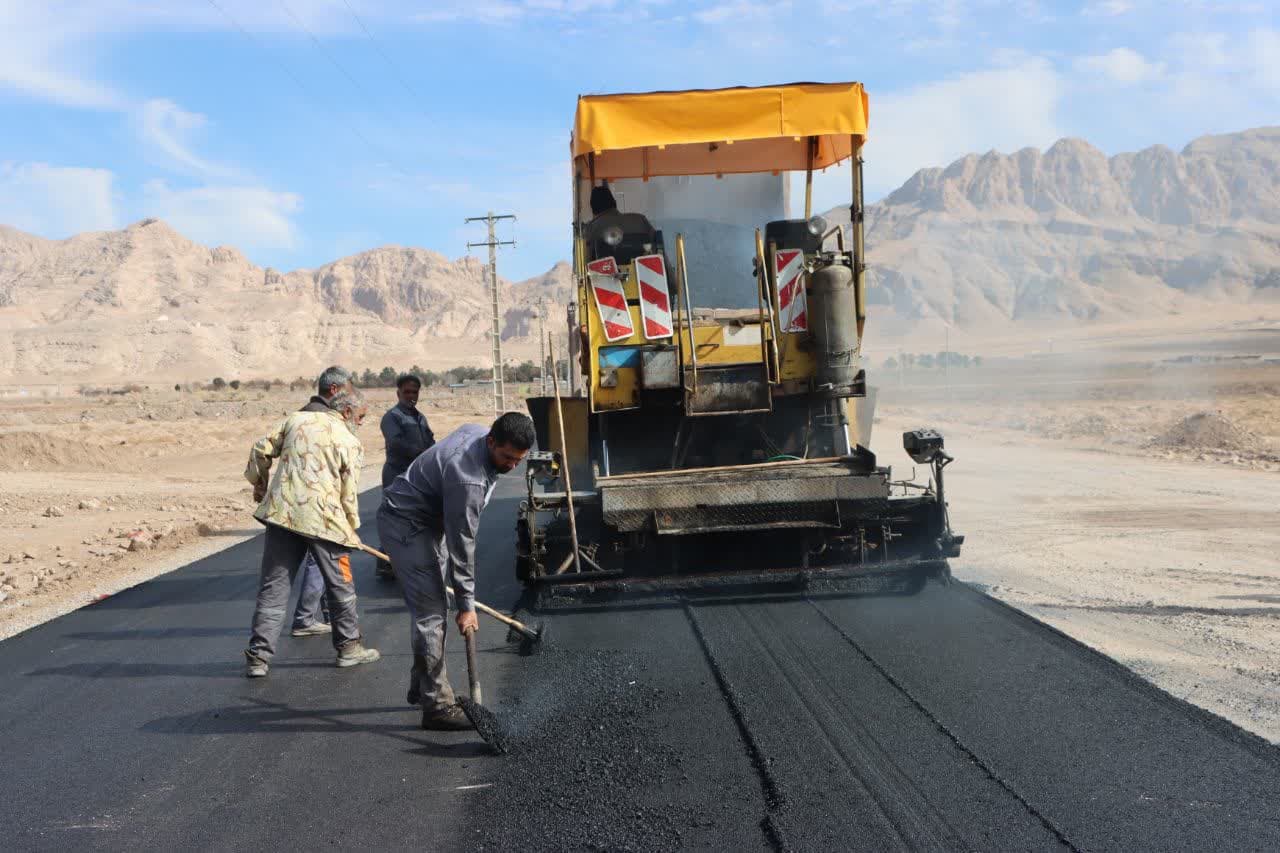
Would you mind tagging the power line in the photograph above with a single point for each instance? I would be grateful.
(329, 56)
(306, 90)
(395, 69)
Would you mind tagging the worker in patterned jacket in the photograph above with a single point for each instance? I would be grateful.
(309, 508)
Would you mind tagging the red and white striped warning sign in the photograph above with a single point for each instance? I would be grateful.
(655, 298)
(788, 264)
(611, 301)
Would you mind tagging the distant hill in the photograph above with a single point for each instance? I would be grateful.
(147, 302)
(1072, 235)
(989, 242)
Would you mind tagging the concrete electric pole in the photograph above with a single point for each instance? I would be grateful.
(542, 345)
(499, 389)
(574, 350)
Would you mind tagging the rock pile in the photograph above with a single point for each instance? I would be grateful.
(1210, 431)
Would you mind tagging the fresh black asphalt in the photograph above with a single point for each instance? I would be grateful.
(939, 721)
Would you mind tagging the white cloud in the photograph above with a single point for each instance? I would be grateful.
(245, 216)
(1264, 56)
(509, 11)
(56, 201)
(166, 128)
(1121, 65)
(47, 48)
(494, 12)
(740, 11)
(1108, 8)
(38, 58)
(1227, 82)
(1206, 51)
(1004, 108)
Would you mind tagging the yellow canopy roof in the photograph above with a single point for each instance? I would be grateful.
(719, 131)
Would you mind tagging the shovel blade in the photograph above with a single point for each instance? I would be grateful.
(487, 725)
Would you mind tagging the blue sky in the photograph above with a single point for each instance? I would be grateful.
(303, 130)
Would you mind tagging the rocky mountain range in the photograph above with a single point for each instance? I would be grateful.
(1067, 235)
(148, 303)
(1072, 235)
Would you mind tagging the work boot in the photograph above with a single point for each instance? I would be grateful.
(414, 696)
(254, 667)
(447, 719)
(354, 654)
(315, 629)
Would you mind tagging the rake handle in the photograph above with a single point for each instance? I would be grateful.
(481, 606)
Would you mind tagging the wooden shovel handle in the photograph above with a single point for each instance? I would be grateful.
(482, 607)
(375, 552)
(472, 676)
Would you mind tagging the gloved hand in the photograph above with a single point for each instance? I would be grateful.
(259, 492)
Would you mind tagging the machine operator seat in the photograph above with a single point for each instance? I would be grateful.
(792, 234)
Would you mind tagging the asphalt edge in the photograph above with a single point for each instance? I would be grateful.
(1254, 743)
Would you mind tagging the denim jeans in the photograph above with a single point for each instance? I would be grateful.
(311, 607)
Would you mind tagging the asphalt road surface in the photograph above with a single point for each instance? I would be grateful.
(939, 721)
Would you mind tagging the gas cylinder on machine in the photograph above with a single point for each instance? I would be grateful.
(833, 323)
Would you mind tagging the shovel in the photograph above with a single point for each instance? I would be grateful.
(531, 636)
(486, 723)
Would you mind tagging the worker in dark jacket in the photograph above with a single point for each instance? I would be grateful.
(407, 434)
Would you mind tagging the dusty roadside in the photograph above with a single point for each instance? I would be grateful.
(103, 493)
(1133, 508)
(1167, 566)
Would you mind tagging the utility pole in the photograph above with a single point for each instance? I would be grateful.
(542, 345)
(573, 350)
(499, 389)
(946, 362)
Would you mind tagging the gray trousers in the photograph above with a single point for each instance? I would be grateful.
(418, 553)
(310, 609)
(282, 553)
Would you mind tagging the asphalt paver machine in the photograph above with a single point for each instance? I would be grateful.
(716, 424)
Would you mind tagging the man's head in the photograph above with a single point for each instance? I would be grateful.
(333, 380)
(351, 405)
(509, 440)
(407, 388)
(602, 200)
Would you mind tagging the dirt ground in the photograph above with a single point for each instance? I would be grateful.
(101, 493)
(1130, 505)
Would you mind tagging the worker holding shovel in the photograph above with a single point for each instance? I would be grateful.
(427, 523)
(309, 507)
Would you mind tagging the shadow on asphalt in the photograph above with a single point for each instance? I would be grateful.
(262, 716)
(219, 669)
(166, 591)
(155, 634)
(470, 749)
(223, 669)
(389, 608)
